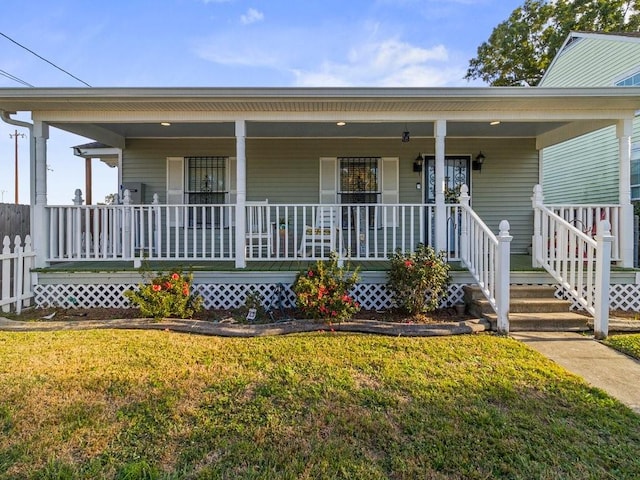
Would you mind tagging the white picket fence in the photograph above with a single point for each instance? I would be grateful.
(15, 276)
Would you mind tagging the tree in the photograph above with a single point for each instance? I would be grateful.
(521, 48)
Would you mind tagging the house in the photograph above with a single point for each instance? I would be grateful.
(234, 179)
(586, 169)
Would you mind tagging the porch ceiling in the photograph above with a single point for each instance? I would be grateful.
(316, 129)
(111, 115)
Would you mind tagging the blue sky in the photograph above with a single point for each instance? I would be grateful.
(234, 43)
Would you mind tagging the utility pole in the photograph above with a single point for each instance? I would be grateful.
(15, 136)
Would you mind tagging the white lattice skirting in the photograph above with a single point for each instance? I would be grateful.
(625, 297)
(371, 296)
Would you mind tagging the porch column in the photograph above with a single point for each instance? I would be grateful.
(624, 132)
(40, 232)
(441, 211)
(241, 193)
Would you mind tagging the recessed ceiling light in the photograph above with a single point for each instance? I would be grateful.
(341, 124)
(495, 122)
(165, 124)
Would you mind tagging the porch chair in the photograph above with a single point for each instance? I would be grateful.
(324, 234)
(259, 229)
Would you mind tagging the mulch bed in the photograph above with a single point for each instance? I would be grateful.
(235, 316)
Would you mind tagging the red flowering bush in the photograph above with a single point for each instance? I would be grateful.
(419, 280)
(322, 292)
(166, 296)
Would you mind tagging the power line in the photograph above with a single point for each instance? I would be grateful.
(15, 79)
(44, 59)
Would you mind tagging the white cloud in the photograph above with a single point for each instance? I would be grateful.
(389, 63)
(361, 56)
(252, 16)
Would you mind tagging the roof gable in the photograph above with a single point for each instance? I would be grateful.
(593, 60)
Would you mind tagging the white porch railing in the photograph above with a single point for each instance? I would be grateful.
(586, 218)
(355, 231)
(273, 231)
(580, 263)
(130, 232)
(487, 258)
(15, 274)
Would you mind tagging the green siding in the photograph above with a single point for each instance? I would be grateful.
(582, 170)
(593, 62)
(502, 189)
(586, 169)
(287, 170)
(146, 160)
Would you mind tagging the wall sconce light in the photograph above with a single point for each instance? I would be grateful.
(405, 135)
(478, 161)
(417, 163)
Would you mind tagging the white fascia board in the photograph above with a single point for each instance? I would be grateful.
(78, 120)
(106, 96)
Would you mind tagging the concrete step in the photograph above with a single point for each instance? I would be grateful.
(543, 322)
(472, 292)
(523, 305)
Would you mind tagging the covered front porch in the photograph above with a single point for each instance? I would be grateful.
(264, 175)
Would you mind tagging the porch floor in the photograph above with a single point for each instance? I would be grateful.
(519, 263)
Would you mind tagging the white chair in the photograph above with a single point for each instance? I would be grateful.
(259, 229)
(323, 235)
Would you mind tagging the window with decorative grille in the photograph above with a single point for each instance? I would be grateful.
(359, 182)
(206, 181)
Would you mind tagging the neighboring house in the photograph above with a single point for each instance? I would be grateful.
(225, 177)
(586, 169)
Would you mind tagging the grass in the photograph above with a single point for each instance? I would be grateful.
(144, 404)
(626, 343)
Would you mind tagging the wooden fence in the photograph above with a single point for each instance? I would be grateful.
(16, 287)
(14, 220)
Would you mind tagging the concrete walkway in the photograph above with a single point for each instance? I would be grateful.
(601, 366)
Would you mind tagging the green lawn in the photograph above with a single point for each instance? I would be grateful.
(143, 404)
(626, 343)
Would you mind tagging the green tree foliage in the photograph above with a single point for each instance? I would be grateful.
(521, 48)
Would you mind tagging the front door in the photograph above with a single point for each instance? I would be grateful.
(456, 174)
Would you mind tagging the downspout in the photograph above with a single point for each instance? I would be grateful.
(6, 117)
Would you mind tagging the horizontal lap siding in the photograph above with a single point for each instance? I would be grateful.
(593, 63)
(586, 169)
(146, 160)
(287, 170)
(502, 189)
(583, 170)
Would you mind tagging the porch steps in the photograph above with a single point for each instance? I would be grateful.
(531, 308)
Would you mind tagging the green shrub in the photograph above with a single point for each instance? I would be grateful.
(165, 296)
(419, 280)
(322, 292)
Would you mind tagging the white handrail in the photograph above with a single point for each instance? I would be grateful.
(487, 258)
(580, 264)
(586, 218)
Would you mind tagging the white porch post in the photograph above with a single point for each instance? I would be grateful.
(441, 211)
(464, 227)
(503, 281)
(603, 279)
(241, 193)
(537, 201)
(624, 132)
(40, 233)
